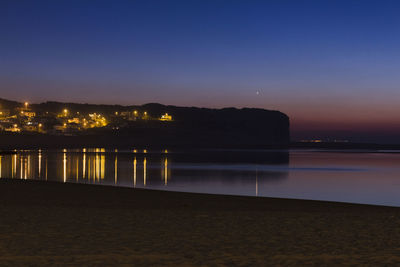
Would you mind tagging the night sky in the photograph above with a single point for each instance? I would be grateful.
(332, 66)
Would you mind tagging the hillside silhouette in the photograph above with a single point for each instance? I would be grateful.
(190, 127)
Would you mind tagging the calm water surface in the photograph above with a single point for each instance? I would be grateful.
(359, 177)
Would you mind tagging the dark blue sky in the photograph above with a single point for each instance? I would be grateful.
(330, 65)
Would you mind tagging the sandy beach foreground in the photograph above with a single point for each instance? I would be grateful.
(60, 224)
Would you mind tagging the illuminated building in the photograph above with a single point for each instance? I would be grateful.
(74, 120)
(166, 117)
(124, 114)
(4, 113)
(14, 128)
(30, 127)
(97, 120)
(60, 128)
(29, 114)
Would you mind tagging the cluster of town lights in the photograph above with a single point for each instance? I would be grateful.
(26, 119)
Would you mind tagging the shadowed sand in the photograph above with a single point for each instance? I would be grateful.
(55, 224)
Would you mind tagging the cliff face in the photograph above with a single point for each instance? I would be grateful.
(225, 127)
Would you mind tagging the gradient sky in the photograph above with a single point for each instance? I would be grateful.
(332, 66)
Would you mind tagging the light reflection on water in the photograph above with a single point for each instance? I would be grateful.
(158, 169)
(87, 166)
(372, 178)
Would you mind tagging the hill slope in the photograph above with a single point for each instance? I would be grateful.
(191, 126)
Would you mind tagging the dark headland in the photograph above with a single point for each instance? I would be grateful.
(47, 224)
(63, 125)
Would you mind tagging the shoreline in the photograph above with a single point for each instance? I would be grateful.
(196, 194)
(167, 193)
(42, 141)
(153, 139)
(50, 223)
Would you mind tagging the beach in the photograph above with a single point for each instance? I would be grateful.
(49, 223)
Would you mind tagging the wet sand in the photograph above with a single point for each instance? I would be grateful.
(60, 224)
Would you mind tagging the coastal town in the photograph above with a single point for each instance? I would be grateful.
(26, 118)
